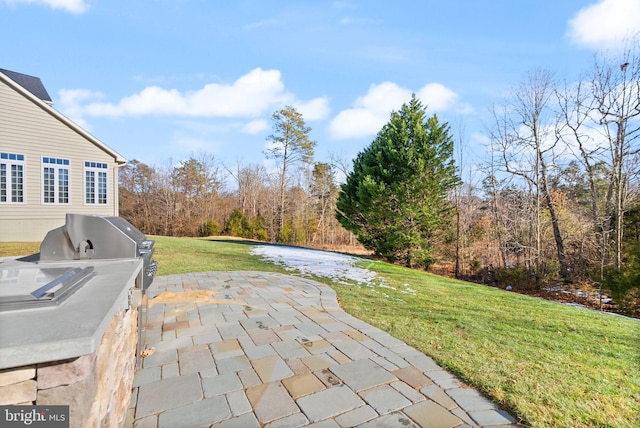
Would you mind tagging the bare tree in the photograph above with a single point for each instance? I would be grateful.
(616, 92)
(198, 181)
(137, 184)
(601, 116)
(251, 181)
(526, 136)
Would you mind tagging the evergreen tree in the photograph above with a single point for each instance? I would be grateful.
(395, 200)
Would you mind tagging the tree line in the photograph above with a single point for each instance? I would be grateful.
(556, 200)
(560, 191)
(200, 196)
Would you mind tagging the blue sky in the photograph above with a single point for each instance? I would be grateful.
(161, 80)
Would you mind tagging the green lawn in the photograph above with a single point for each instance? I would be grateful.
(549, 364)
(184, 255)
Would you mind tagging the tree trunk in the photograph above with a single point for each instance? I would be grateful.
(564, 271)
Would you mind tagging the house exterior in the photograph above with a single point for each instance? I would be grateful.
(49, 166)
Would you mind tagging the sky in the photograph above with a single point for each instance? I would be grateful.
(163, 80)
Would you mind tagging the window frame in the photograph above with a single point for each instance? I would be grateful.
(11, 188)
(96, 190)
(60, 170)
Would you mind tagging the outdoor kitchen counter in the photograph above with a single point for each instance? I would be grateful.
(75, 327)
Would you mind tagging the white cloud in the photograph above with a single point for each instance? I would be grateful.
(73, 6)
(316, 109)
(606, 24)
(249, 96)
(371, 111)
(255, 126)
(70, 102)
(151, 100)
(253, 95)
(437, 97)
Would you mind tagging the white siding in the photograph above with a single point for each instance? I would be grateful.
(29, 129)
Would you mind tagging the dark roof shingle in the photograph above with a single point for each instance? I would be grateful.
(30, 83)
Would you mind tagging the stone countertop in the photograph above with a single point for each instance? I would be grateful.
(73, 328)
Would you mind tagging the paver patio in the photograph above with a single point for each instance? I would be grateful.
(259, 349)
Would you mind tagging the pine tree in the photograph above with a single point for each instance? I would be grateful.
(289, 145)
(395, 200)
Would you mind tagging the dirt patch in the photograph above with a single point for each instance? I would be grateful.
(571, 297)
(203, 296)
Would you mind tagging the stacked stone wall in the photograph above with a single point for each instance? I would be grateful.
(96, 387)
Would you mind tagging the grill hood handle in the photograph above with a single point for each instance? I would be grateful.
(85, 249)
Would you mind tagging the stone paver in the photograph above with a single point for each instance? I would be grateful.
(413, 377)
(239, 403)
(295, 420)
(222, 384)
(271, 368)
(301, 385)
(357, 416)
(271, 401)
(196, 414)
(195, 359)
(391, 420)
(226, 348)
(233, 364)
(329, 403)
(385, 399)
(272, 350)
(491, 417)
(362, 374)
(432, 415)
(248, 420)
(471, 399)
(166, 394)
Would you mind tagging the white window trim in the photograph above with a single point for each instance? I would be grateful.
(100, 167)
(23, 164)
(56, 168)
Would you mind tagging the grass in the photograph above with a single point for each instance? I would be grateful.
(18, 248)
(549, 364)
(184, 255)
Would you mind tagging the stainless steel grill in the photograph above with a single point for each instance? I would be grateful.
(98, 237)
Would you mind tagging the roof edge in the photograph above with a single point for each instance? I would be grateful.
(62, 118)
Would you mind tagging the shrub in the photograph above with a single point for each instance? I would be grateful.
(518, 276)
(237, 224)
(210, 228)
(624, 285)
(623, 288)
(475, 264)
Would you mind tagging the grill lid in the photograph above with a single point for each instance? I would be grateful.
(86, 237)
(93, 237)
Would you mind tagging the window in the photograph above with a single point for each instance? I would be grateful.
(55, 181)
(95, 183)
(11, 178)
